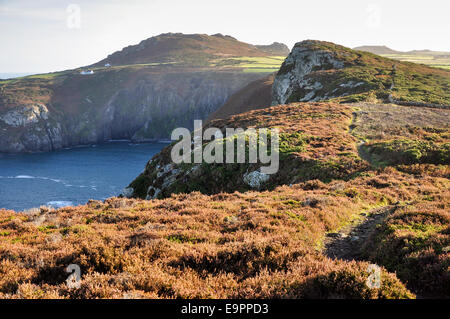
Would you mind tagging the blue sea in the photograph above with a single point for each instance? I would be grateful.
(71, 176)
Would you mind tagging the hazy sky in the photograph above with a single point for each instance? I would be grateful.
(50, 35)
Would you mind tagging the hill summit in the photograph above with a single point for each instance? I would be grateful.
(377, 49)
(189, 48)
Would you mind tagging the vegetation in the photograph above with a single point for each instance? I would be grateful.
(369, 77)
(208, 234)
(264, 244)
(415, 243)
(266, 64)
(252, 245)
(314, 144)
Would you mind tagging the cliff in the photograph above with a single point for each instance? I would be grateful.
(140, 93)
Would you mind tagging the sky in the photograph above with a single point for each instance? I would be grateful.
(52, 35)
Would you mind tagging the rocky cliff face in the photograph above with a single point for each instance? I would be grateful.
(293, 81)
(29, 127)
(148, 108)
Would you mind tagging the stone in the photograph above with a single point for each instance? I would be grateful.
(255, 179)
(128, 192)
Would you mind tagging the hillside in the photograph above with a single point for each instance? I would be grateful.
(318, 71)
(358, 184)
(275, 48)
(398, 154)
(191, 49)
(384, 50)
(142, 94)
(260, 244)
(256, 95)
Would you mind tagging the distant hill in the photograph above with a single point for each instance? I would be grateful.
(140, 93)
(193, 49)
(275, 48)
(377, 49)
(383, 50)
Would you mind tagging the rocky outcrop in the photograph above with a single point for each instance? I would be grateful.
(255, 179)
(29, 127)
(319, 71)
(25, 115)
(293, 82)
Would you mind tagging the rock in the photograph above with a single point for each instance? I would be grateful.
(25, 115)
(128, 192)
(152, 193)
(195, 170)
(168, 181)
(293, 75)
(255, 179)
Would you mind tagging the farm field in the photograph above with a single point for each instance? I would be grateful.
(430, 60)
(252, 64)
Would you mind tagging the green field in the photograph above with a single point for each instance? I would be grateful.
(430, 60)
(252, 64)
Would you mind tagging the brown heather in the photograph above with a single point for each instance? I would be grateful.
(251, 245)
(259, 244)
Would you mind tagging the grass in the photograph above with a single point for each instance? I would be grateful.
(266, 64)
(402, 135)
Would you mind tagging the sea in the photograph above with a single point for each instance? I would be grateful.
(71, 176)
(4, 76)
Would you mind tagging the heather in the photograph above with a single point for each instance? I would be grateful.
(315, 143)
(253, 245)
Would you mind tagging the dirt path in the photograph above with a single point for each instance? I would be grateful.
(347, 243)
(360, 144)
